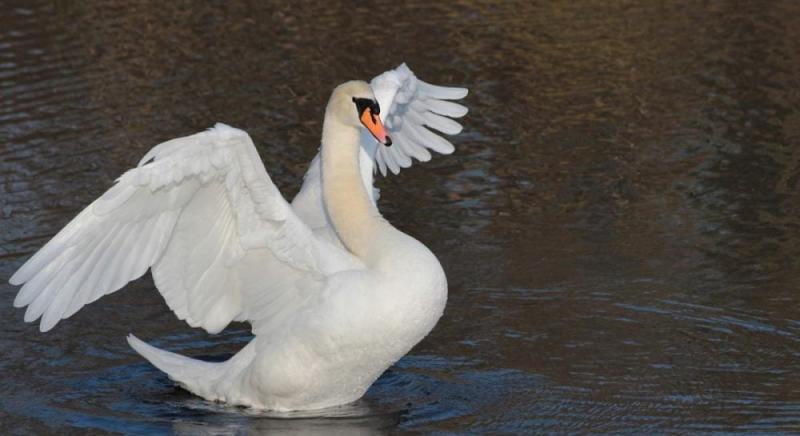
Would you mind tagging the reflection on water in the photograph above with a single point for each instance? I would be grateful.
(618, 225)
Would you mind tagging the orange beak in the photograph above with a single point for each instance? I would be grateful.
(373, 123)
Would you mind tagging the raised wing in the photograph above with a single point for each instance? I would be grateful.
(409, 108)
(202, 211)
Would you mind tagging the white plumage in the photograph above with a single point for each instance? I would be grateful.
(334, 295)
(411, 105)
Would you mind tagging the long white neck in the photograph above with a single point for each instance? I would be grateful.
(355, 218)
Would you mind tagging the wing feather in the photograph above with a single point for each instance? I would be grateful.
(400, 156)
(411, 106)
(204, 214)
(40, 301)
(442, 107)
(441, 92)
(442, 124)
(46, 254)
(32, 288)
(420, 134)
(65, 299)
(100, 265)
(419, 153)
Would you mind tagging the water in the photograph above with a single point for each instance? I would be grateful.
(619, 224)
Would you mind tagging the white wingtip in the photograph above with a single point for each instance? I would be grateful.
(31, 315)
(15, 279)
(18, 303)
(442, 92)
(26, 271)
(47, 324)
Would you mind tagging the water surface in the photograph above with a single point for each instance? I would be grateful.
(619, 223)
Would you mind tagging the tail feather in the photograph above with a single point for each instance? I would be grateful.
(195, 375)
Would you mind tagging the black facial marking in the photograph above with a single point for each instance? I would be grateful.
(363, 103)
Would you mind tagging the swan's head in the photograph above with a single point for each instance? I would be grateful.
(354, 104)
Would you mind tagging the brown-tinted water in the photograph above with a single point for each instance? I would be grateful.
(619, 223)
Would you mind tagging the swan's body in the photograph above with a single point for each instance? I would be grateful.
(335, 294)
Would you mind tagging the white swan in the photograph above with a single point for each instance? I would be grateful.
(334, 293)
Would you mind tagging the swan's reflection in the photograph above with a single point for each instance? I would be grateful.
(359, 418)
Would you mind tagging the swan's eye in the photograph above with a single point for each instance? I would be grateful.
(363, 103)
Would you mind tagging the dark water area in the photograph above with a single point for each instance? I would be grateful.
(619, 224)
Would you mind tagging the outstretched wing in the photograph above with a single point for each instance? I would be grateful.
(409, 108)
(202, 211)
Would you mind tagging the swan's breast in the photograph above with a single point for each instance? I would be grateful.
(414, 289)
